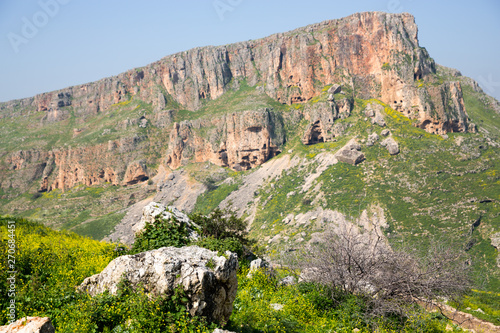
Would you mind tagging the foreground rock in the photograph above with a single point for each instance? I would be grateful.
(29, 325)
(209, 280)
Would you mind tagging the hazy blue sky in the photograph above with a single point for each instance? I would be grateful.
(79, 41)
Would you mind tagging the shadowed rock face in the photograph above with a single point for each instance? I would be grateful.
(209, 280)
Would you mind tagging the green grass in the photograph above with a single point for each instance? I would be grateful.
(100, 227)
(480, 112)
(245, 98)
(208, 201)
(487, 302)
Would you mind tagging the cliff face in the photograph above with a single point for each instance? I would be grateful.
(66, 168)
(376, 54)
(237, 140)
(370, 55)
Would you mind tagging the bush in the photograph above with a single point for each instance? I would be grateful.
(161, 233)
(221, 224)
(222, 231)
(222, 245)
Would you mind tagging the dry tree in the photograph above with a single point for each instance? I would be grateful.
(352, 261)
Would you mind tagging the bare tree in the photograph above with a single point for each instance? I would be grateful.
(358, 262)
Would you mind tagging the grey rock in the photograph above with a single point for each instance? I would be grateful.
(277, 306)
(378, 119)
(372, 138)
(350, 153)
(29, 325)
(350, 156)
(143, 122)
(209, 280)
(369, 113)
(385, 132)
(335, 89)
(391, 145)
(218, 330)
(258, 264)
(287, 281)
(495, 241)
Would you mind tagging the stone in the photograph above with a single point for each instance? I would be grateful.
(350, 156)
(153, 211)
(335, 89)
(391, 145)
(29, 325)
(350, 153)
(276, 306)
(369, 113)
(378, 119)
(209, 280)
(258, 264)
(495, 241)
(218, 330)
(287, 281)
(372, 138)
(385, 132)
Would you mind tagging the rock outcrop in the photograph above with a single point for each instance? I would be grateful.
(29, 325)
(209, 281)
(372, 138)
(155, 211)
(237, 140)
(322, 116)
(64, 168)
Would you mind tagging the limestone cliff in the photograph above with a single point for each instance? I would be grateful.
(376, 54)
(237, 140)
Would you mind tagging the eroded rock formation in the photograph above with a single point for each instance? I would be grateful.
(238, 140)
(365, 55)
(209, 280)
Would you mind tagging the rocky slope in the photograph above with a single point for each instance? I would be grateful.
(345, 120)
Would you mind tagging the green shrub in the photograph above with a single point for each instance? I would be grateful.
(161, 233)
(221, 224)
(222, 245)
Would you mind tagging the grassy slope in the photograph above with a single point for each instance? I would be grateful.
(433, 187)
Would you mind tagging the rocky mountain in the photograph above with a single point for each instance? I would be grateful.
(344, 121)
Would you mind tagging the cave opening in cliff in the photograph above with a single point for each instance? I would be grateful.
(316, 134)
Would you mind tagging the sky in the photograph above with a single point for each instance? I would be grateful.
(47, 45)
